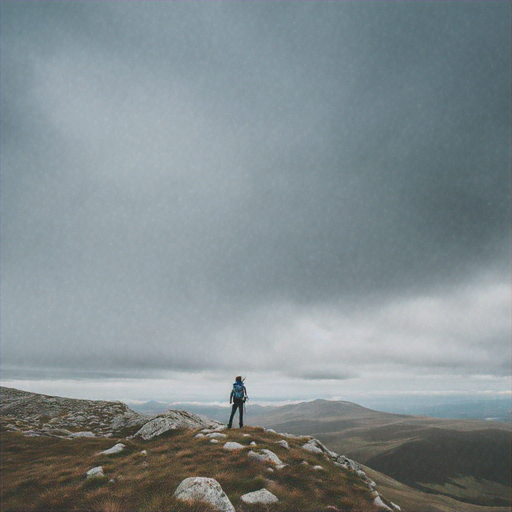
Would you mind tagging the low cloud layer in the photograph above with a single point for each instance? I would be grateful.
(320, 190)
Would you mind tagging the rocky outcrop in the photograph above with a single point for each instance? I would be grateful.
(37, 414)
(172, 420)
(205, 490)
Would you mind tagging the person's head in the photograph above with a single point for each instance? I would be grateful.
(239, 379)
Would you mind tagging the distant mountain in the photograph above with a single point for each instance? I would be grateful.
(465, 459)
(498, 409)
(150, 408)
(214, 412)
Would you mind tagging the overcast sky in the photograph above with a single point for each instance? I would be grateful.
(315, 195)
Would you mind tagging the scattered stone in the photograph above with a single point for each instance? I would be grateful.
(294, 436)
(395, 506)
(214, 441)
(379, 503)
(217, 435)
(119, 447)
(361, 474)
(253, 443)
(247, 435)
(284, 444)
(231, 446)
(199, 436)
(82, 434)
(218, 428)
(270, 430)
(96, 472)
(144, 452)
(262, 496)
(318, 468)
(312, 447)
(206, 490)
(266, 456)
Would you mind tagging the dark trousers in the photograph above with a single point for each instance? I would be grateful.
(237, 404)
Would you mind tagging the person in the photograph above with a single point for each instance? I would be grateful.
(238, 397)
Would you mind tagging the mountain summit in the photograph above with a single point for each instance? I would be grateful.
(65, 454)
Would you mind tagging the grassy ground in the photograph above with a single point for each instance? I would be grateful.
(48, 474)
(412, 500)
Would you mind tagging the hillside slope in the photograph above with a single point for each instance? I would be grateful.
(46, 467)
(466, 459)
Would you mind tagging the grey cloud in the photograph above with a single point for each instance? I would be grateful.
(180, 179)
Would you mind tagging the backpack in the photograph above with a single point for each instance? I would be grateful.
(238, 390)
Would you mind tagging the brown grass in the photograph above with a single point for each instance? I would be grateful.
(46, 474)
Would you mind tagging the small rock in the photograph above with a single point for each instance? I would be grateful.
(214, 441)
(96, 472)
(119, 447)
(318, 468)
(311, 447)
(379, 503)
(262, 496)
(144, 452)
(361, 474)
(284, 444)
(216, 435)
(266, 456)
(82, 434)
(199, 436)
(231, 446)
(253, 443)
(206, 490)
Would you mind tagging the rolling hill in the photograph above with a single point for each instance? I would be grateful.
(465, 459)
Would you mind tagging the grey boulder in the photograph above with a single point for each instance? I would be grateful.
(206, 490)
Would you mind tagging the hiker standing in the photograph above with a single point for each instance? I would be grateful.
(238, 397)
